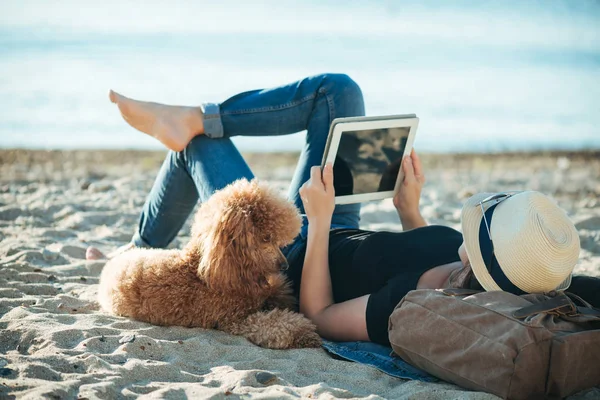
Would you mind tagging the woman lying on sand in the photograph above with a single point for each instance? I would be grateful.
(348, 280)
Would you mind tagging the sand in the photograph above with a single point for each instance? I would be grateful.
(55, 343)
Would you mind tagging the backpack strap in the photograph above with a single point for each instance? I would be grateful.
(589, 312)
(561, 304)
(584, 308)
(576, 299)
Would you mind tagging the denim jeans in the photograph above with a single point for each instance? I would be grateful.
(211, 161)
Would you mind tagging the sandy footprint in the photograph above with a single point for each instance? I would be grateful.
(40, 371)
(102, 344)
(67, 338)
(9, 340)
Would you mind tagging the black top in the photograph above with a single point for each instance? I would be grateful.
(386, 265)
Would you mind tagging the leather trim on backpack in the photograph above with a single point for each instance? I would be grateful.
(458, 291)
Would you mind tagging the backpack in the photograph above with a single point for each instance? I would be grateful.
(516, 347)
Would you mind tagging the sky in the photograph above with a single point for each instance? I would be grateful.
(496, 74)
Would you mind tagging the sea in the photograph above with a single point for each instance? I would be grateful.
(482, 76)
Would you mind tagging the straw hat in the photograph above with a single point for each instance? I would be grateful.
(534, 245)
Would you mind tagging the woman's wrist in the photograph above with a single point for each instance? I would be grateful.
(408, 213)
(411, 220)
(319, 222)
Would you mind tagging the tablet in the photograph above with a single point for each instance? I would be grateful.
(367, 153)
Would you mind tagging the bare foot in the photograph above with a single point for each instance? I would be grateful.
(92, 253)
(174, 126)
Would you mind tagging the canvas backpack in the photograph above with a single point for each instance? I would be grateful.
(516, 347)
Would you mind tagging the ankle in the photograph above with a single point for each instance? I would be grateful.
(195, 120)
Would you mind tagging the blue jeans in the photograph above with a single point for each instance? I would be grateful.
(211, 161)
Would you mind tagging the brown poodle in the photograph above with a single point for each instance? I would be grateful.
(227, 277)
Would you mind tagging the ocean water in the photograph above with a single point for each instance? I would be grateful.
(482, 76)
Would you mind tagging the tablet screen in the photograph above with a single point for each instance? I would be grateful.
(368, 161)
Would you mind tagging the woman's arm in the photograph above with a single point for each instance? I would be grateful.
(343, 321)
(318, 198)
(408, 197)
(315, 286)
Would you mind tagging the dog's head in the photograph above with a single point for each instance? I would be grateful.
(237, 234)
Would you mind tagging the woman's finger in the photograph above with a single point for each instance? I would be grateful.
(416, 161)
(407, 167)
(315, 176)
(328, 177)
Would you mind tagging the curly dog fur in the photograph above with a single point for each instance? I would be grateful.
(227, 277)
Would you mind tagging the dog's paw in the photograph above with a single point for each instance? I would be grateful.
(277, 329)
(308, 340)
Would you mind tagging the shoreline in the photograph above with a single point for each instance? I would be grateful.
(91, 160)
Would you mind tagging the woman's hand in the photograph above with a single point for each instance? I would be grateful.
(408, 197)
(317, 194)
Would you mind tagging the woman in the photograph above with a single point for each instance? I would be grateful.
(348, 280)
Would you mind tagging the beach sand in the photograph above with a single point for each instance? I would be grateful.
(55, 343)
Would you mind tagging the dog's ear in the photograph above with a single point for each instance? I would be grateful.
(233, 257)
(236, 234)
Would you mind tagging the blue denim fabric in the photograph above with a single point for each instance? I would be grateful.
(211, 161)
(378, 356)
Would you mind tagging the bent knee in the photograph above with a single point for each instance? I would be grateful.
(342, 85)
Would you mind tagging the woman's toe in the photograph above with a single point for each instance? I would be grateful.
(93, 253)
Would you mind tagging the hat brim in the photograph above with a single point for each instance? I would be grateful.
(471, 217)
